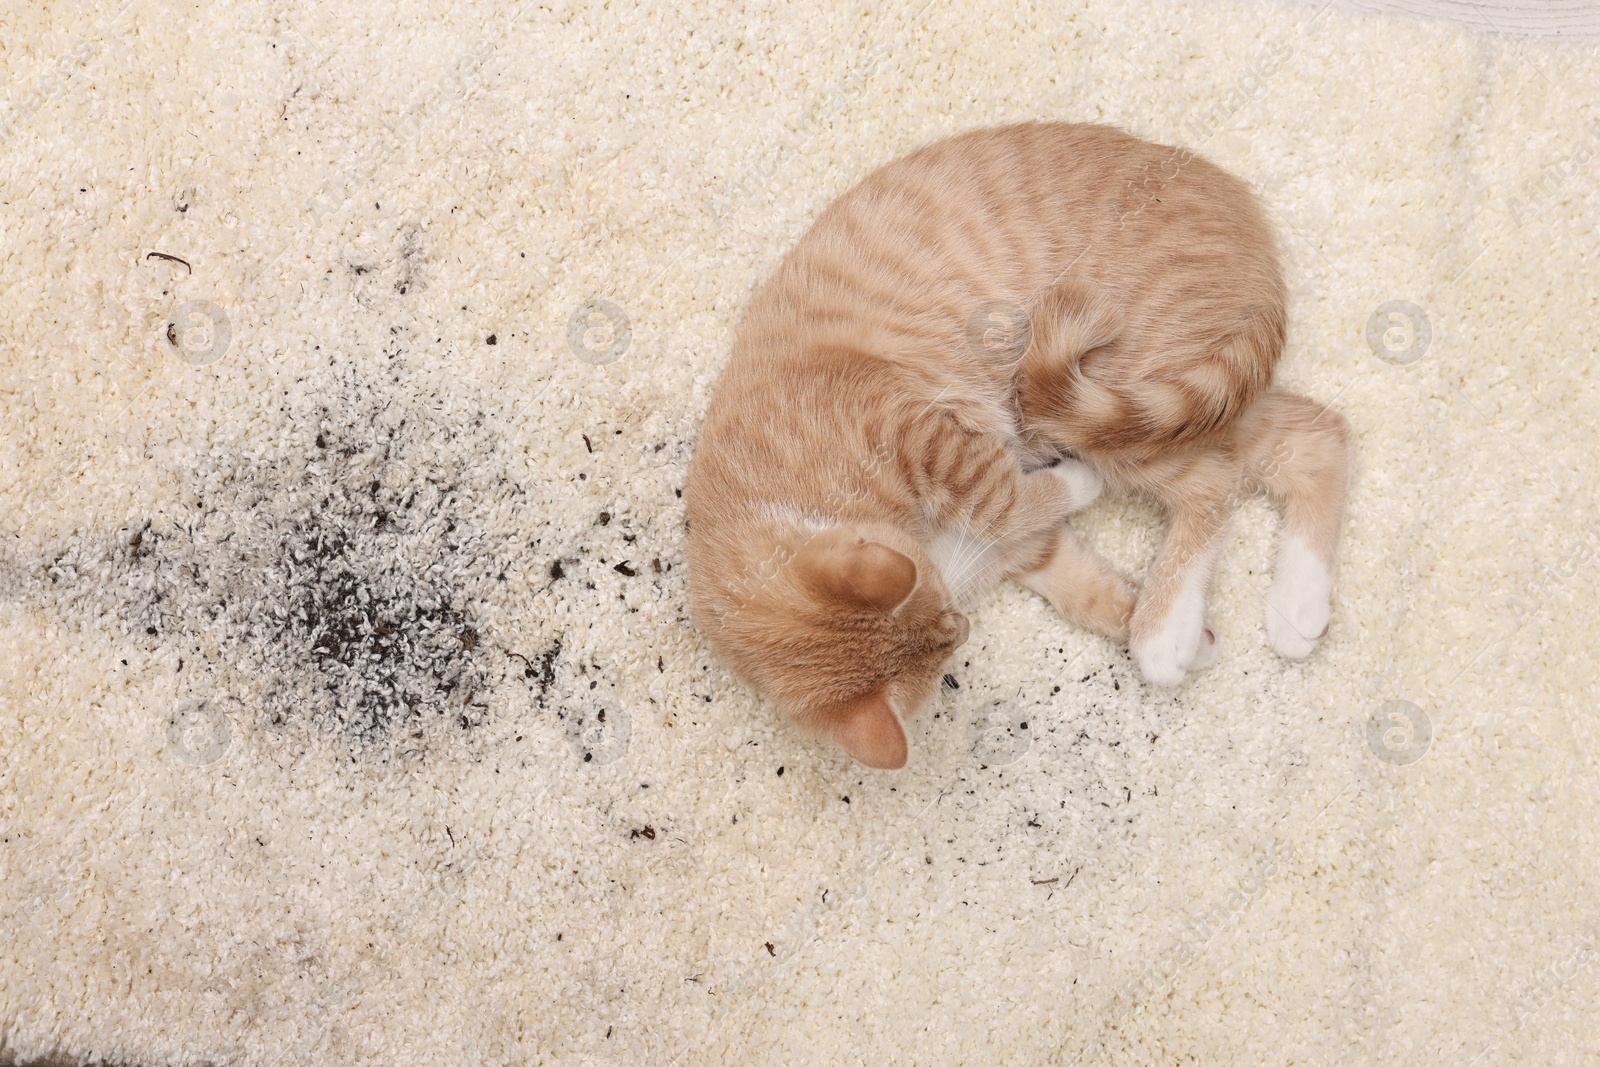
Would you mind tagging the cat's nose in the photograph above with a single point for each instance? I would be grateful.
(963, 628)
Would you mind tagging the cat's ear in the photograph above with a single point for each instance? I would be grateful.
(851, 569)
(870, 731)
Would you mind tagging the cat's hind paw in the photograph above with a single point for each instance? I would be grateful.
(1298, 602)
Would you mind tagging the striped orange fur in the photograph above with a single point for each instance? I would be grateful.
(947, 365)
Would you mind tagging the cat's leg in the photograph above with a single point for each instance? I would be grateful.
(1080, 584)
(1298, 451)
(1168, 634)
(1002, 515)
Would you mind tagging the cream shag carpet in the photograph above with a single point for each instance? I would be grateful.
(350, 365)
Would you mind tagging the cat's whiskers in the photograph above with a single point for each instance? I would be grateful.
(973, 566)
(966, 570)
(974, 582)
(963, 576)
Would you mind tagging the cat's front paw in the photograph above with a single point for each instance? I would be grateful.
(1207, 652)
(1168, 649)
(1298, 602)
(1083, 482)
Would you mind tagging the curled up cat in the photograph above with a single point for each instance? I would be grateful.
(957, 356)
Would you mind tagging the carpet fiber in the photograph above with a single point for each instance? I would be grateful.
(350, 366)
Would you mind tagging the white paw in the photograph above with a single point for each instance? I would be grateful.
(1207, 652)
(1175, 646)
(1297, 602)
(1083, 482)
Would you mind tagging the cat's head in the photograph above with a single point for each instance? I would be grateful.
(848, 629)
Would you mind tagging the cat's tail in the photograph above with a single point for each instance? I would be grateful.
(1056, 392)
(1085, 387)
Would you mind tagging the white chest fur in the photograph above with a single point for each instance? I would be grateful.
(968, 563)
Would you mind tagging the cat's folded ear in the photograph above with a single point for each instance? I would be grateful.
(870, 731)
(852, 570)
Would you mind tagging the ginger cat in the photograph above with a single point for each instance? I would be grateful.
(945, 367)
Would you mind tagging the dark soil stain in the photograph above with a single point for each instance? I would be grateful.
(353, 562)
(340, 576)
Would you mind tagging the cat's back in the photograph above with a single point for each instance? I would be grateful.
(902, 261)
(870, 317)
(880, 291)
